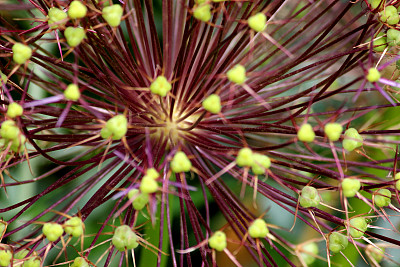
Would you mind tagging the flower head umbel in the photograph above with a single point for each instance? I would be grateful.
(156, 121)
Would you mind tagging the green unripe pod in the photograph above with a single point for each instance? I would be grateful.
(161, 86)
(393, 37)
(124, 238)
(373, 75)
(382, 198)
(52, 231)
(180, 162)
(306, 133)
(21, 53)
(380, 44)
(237, 74)
(9, 130)
(258, 229)
(333, 130)
(389, 15)
(217, 241)
(139, 200)
(14, 110)
(212, 104)
(257, 22)
(337, 242)
(261, 163)
(396, 177)
(5, 257)
(357, 227)
(77, 10)
(350, 187)
(311, 248)
(74, 227)
(245, 157)
(80, 262)
(116, 127)
(18, 144)
(352, 139)
(113, 14)
(57, 18)
(375, 3)
(153, 173)
(202, 12)
(309, 197)
(74, 36)
(72, 92)
(148, 185)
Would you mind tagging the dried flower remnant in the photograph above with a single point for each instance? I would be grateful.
(156, 122)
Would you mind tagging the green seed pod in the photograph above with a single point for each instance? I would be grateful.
(350, 187)
(74, 226)
(14, 110)
(309, 197)
(382, 198)
(153, 173)
(57, 18)
(116, 127)
(212, 104)
(311, 248)
(77, 10)
(5, 257)
(337, 242)
(202, 12)
(245, 157)
(333, 131)
(124, 238)
(74, 36)
(393, 37)
(260, 163)
(9, 130)
(80, 262)
(389, 15)
(139, 200)
(21, 53)
(18, 144)
(148, 185)
(396, 177)
(376, 3)
(352, 139)
(217, 241)
(52, 231)
(373, 75)
(160, 86)
(105, 133)
(237, 74)
(72, 92)
(180, 162)
(306, 133)
(257, 22)
(380, 43)
(113, 14)
(258, 229)
(357, 227)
